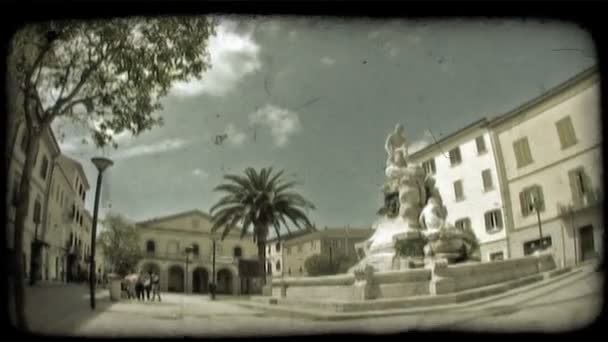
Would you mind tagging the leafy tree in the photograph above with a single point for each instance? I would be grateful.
(258, 201)
(108, 74)
(120, 244)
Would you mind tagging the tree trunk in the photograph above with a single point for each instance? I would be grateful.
(262, 258)
(20, 217)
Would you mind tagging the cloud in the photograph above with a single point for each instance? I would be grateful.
(283, 123)
(235, 135)
(200, 173)
(159, 147)
(328, 61)
(234, 54)
(421, 143)
(392, 49)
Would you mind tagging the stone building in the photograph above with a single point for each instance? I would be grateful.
(275, 251)
(551, 150)
(331, 242)
(465, 170)
(164, 241)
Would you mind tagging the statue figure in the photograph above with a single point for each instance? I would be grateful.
(432, 216)
(396, 147)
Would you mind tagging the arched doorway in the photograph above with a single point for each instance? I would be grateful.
(224, 281)
(200, 280)
(176, 279)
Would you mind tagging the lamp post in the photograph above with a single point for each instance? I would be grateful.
(212, 285)
(536, 204)
(101, 164)
(189, 250)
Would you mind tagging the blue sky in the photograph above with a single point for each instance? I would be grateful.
(317, 98)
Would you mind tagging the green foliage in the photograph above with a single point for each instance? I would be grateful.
(111, 72)
(320, 265)
(410, 247)
(119, 242)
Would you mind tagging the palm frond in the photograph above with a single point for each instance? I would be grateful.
(230, 188)
(282, 218)
(240, 180)
(230, 226)
(226, 200)
(234, 209)
(293, 198)
(246, 224)
(281, 187)
(296, 215)
(271, 183)
(254, 177)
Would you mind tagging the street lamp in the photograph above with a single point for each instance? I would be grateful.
(189, 251)
(101, 164)
(212, 285)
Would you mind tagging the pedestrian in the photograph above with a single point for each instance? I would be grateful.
(155, 286)
(147, 284)
(139, 287)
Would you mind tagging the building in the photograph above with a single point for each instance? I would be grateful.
(165, 240)
(550, 158)
(275, 252)
(36, 223)
(465, 170)
(331, 242)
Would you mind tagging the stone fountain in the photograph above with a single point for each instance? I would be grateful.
(413, 215)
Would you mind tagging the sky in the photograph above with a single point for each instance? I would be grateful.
(317, 97)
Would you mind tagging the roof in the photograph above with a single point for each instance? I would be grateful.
(576, 79)
(334, 233)
(74, 166)
(178, 215)
(452, 136)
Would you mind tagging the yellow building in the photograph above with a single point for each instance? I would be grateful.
(551, 150)
(331, 242)
(164, 242)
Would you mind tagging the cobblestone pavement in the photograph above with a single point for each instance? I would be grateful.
(565, 305)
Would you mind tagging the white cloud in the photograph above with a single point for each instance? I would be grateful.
(233, 56)
(328, 61)
(200, 173)
(392, 49)
(283, 123)
(235, 135)
(421, 143)
(159, 147)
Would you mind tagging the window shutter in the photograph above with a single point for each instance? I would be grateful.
(498, 214)
(576, 195)
(487, 220)
(541, 200)
(524, 203)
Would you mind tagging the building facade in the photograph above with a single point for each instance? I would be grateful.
(164, 241)
(330, 242)
(550, 154)
(465, 170)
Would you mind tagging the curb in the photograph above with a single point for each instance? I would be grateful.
(496, 292)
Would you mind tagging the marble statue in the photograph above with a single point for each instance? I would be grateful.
(413, 210)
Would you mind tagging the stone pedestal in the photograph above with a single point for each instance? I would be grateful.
(363, 288)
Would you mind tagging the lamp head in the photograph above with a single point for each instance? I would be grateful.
(102, 163)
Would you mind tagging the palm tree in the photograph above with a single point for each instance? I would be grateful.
(259, 200)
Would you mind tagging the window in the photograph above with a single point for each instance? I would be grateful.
(455, 157)
(481, 144)
(497, 256)
(150, 247)
(277, 247)
(523, 156)
(429, 167)
(493, 221)
(278, 265)
(532, 246)
(238, 252)
(37, 211)
(195, 249)
(301, 269)
(463, 223)
(580, 185)
(529, 197)
(458, 191)
(565, 131)
(269, 268)
(486, 176)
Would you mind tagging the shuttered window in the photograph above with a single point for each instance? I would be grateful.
(458, 191)
(565, 131)
(481, 144)
(527, 198)
(580, 185)
(486, 176)
(455, 157)
(463, 223)
(493, 220)
(523, 156)
(429, 166)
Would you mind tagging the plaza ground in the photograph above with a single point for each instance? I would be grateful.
(567, 304)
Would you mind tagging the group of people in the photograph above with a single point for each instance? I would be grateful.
(141, 285)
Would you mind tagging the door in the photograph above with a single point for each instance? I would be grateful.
(586, 243)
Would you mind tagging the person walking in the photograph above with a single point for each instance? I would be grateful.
(155, 286)
(147, 284)
(139, 287)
